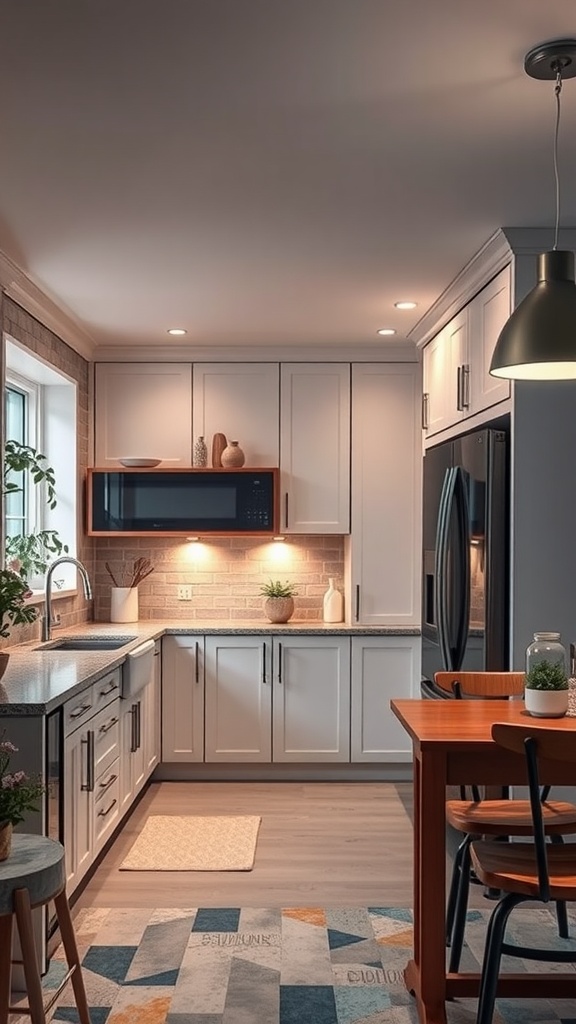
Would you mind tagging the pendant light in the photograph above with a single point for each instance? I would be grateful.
(538, 342)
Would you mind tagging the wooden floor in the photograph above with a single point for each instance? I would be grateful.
(320, 844)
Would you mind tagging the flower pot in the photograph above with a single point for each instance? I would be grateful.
(279, 609)
(5, 839)
(546, 703)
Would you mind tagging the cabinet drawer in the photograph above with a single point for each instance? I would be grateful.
(78, 710)
(106, 728)
(106, 689)
(107, 803)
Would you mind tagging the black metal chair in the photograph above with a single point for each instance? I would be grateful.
(524, 871)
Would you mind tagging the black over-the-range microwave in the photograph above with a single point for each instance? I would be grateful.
(182, 501)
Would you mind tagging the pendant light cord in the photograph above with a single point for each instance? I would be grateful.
(557, 91)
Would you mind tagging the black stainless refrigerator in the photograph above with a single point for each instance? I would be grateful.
(465, 556)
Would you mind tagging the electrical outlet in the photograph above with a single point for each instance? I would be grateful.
(185, 593)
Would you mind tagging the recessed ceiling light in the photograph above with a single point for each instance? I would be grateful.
(406, 305)
(177, 330)
(386, 330)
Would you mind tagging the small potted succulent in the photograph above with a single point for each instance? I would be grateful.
(546, 690)
(279, 603)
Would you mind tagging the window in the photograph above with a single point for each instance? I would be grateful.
(40, 411)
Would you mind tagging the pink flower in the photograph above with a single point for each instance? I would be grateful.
(8, 748)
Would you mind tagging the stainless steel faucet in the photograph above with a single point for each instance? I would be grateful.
(47, 620)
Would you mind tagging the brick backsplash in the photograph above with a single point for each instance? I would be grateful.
(225, 575)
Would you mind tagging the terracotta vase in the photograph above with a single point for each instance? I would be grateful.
(219, 443)
(279, 609)
(5, 839)
(233, 457)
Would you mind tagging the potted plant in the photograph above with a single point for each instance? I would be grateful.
(18, 794)
(546, 690)
(279, 603)
(31, 552)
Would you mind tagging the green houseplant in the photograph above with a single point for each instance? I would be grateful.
(19, 793)
(279, 603)
(30, 554)
(546, 685)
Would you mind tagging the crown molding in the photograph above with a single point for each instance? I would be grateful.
(495, 254)
(19, 287)
(378, 353)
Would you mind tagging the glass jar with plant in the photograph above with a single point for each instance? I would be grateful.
(279, 603)
(546, 688)
(30, 554)
(19, 793)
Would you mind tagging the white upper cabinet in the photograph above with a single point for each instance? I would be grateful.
(488, 312)
(239, 400)
(143, 410)
(456, 362)
(315, 447)
(384, 549)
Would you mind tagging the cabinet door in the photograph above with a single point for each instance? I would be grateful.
(78, 807)
(383, 669)
(128, 727)
(238, 698)
(435, 368)
(311, 716)
(384, 551)
(315, 447)
(447, 376)
(239, 400)
(152, 715)
(489, 311)
(182, 698)
(143, 410)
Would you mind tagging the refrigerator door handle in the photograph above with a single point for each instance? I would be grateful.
(441, 568)
(462, 595)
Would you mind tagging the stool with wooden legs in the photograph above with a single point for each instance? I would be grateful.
(33, 875)
(495, 819)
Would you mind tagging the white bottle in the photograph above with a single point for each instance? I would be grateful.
(333, 604)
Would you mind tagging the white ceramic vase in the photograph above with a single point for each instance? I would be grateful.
(333, 604)
(546, 703)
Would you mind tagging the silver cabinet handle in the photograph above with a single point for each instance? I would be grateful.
(88, 786)
(80, 710)
(459, 389)
(139, 725)
(264, 679)
(109, 689)
(425, 410)
(133, 742)
(108, 782)
(280, 662)
(104, 813)
(197, 667)
(108, 725)
(465, 386)
(286, 510)
(357, 608)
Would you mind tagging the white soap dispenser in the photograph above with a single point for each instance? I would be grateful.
(333, 603)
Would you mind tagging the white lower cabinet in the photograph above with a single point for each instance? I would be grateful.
(383, 669)
(140, 740)
(238, 698)
(183, 698)
(311, 698)
(92, 775)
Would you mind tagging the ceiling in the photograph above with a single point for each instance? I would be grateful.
(269, 172)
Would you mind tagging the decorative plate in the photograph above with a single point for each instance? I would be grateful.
(149, 463)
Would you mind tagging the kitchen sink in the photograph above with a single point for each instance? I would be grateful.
(86, 643)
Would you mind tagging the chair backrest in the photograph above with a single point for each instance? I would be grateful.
(537, 743)
(481, 684)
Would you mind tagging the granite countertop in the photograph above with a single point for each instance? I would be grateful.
(38, 681)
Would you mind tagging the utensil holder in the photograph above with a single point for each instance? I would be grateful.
(124, 604)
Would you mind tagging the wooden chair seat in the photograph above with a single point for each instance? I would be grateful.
(512, 867)
(509, 817)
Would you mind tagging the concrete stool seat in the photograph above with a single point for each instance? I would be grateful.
(32, 876)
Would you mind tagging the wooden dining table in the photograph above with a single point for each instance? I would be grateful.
(452, 745)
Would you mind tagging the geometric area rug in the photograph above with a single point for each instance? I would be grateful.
(278, 966)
